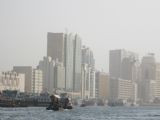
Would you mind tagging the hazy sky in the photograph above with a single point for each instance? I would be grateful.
(102, 24)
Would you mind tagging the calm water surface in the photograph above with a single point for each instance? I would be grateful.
(85, 113)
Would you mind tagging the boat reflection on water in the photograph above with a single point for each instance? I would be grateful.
(92, 102)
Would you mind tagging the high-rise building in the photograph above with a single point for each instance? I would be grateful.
(102, 85)
(88, 58)
(148, 66)
(47, 66)
(157, 90)
(85, 83)
(53, 74)
(77, 64)
(150, 84)
(67, 49)
(122, 89)
(37, 81)
(56, 45)
(27, 70)
(123, 65)
(92, 83)
(148, 73)
(59, 76)
(115, 60)
(69, 62)
(127, 68)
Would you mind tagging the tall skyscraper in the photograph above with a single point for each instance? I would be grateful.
(148, 74)
(67, 49)
(88, 58)
(121, 63)
(115, 60)
(148, 67)
(123, 69)
(69, 62)
(56, 45)
(77, 64)
(85, 82)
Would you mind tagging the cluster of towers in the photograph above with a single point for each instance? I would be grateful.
(131, 79)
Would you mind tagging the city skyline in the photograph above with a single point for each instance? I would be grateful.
(129, 78)
(85, 59)
(110, 26)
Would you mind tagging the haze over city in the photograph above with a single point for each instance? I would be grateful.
(85, 59)
(102, 25)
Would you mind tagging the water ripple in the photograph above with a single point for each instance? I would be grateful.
(85, 113)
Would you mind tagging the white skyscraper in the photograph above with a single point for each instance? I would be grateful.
(67, 49)
(69, 62)
(77, 64)
(88, 58)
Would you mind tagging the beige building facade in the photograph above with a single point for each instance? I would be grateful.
(12, 81)
(102, 85)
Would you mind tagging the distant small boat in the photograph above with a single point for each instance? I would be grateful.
(100, 102)
(83, 105)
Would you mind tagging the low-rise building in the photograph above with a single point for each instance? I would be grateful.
(121, 89)
(33, 78)
(12, 81)
(27, 70)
